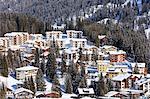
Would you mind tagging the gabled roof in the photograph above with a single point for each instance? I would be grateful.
(138, 64)
(19, 90)
(142, 81)
(112, 93)
(26, 68)
(121, 77)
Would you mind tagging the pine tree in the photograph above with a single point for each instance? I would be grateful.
(42, 65)
(4, 65)
(37, 56)
(51, 66)
(83, 83)
(2, 91)
(101, 87)
(136, 70)
(40, 83)
(32, 85)
(56, 85)
(63, 66)
(68, 84)
(82, 70)
(26, 84)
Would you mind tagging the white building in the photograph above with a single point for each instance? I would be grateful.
(4, 42)
(141, 67)
(54, 35)
(58, 27)
(25, 72)
(17, 38)
(77, 43)
(74, 34)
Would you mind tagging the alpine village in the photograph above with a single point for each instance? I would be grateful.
(101, 51)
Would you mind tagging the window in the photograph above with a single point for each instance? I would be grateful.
(15, 40)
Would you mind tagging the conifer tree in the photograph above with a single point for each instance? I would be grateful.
(101, 87)
(42, 65)
(56, 85)
(82, 83)
(37, 56)
(68, 84)
(4, 65)
(63, 66)
(40, 83)
(136, 70)
(2, 91)
(32, 85)
(26, 84)
(51, 66)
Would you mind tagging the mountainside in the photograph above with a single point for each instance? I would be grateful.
(19, 22)
(47, 10)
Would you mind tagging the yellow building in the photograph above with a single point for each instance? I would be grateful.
(103, 65)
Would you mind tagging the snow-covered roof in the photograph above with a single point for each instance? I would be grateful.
(131, 90)
(26, 68)
(19, 90)
(86, 90)
(49, 32)
(68, 96)
(117, 52)
(77, 39)
(121, 77)
(138, 64)
(10, 82)
(101, 36)
(4, 38)
(142, 81)
(108, 46)
(90, 46)
(73, 31)
(87, 98)
(111, 93)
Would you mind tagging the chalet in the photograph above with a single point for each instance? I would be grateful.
(122, 80)
(117, 56)
(143, 84)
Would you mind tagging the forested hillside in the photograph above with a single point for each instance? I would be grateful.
(19, 22)
(46, 10)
